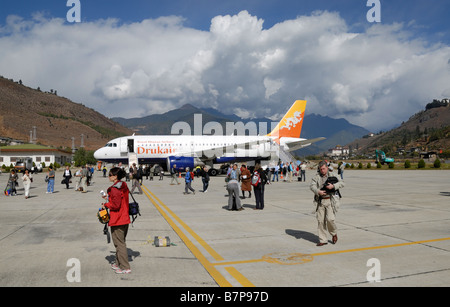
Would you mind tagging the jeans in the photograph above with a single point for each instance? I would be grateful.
(50, 185)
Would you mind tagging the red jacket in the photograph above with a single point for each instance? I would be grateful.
(118, 204)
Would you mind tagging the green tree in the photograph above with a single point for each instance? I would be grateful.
(437, 163)
(421, 164)
(407, 164)
(83, 157)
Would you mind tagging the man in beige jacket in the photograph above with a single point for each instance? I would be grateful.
(326, 201)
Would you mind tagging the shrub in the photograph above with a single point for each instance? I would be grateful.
(378, 164)
(437, 163)
(407, 164)
(391, 164)
(421, 164)
(360, 165)
(369, 165)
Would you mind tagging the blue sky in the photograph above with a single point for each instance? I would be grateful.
(247, 57)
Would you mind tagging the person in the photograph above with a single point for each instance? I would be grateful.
(118, 205)
(27, 179)
(259, 188)
(303, 171)
(134, 176)
(233, 189)
(246, 180)
(188, 181)
(275, 172)
(173, 174)
(84, 178)
(161, 173)
(51, 180)
(104, 170)
(67, 176)
(341, 168)
(205, 179)
(290, 171)
(326, 202)
(78, 179)
(13, 180)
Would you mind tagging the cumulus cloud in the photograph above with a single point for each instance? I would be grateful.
(376, 78)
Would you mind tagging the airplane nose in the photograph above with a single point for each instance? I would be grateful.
(98, 154)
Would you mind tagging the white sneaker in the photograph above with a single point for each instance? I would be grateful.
(119, 271)
(114, 267)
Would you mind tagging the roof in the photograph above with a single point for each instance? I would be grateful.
(30, 148)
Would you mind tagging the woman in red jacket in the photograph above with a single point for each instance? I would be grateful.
(119, 218)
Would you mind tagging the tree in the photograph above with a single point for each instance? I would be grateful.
(407, 164)
(421, 164)
(437, 163)
(83, 157)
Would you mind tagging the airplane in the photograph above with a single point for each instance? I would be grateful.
(193, 150)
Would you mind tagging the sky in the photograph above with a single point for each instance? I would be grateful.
(252, 58)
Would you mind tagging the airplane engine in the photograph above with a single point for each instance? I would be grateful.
(182, 163)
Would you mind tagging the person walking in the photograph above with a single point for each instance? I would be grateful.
(84, 178)
(246, 181)
(135, 176)
(13, 180)
(118, 205)
(205, 179)
(51, 180)
(67, 176)
(173, 174)
(188, 178)
(326, 201)
(27, 179)
(275, 172)
(259, 187)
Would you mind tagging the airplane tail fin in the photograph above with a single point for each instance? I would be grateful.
(291, 124)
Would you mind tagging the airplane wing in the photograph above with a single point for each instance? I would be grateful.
(303, 143)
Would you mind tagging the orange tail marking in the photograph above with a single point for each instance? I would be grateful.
(291, 124)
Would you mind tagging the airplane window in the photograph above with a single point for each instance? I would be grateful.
(114, 144)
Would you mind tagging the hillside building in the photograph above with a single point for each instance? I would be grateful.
(339, 152)
(10, 154)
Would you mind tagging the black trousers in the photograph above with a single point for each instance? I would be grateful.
(259, 196)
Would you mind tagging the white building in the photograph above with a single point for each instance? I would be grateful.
(40, 154)
(339, 152)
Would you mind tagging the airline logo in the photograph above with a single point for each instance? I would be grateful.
(291, 122)
(155, 150)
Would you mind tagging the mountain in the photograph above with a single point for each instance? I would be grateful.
(427, 130)
(57, 119)
(337, 131)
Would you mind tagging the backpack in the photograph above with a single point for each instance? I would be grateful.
(192, 175)
(256, 179)
(133, 209)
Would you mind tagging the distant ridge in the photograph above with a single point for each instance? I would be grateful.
(427, 130)
(57, 119)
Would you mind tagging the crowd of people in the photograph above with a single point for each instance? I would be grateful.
(238, 180)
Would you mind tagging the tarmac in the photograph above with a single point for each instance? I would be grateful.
(393, 230)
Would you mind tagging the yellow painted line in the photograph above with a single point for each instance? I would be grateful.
(208, 248)
(336, 252)
(379, 247)
(218, 277)
(239, 277)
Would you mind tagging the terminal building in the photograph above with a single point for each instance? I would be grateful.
(38, 153)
